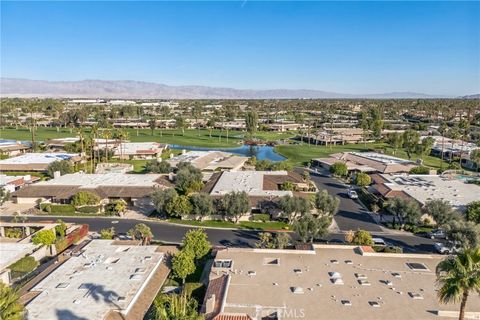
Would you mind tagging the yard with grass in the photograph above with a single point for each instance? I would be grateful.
(300, 154)
(252, 225)
(192, 137)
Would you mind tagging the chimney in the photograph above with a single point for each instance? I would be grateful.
(56, 174)
(170, 176)
(210, 304)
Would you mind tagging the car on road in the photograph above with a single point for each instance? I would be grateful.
(447, 248)
(437, 234)
(352, 194)
(123, 236)
(379, 242)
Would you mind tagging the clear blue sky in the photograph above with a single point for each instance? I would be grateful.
(349, 47)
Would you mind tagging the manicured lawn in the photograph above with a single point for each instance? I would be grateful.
(302, 153)
(272, 225)
(192, 137)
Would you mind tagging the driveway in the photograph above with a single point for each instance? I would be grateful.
(351, 214)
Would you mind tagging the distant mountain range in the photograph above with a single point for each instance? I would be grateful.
(127, 89)
(471, 96)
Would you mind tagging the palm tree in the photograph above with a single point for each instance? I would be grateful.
(175, 306)
(94, 132)
(10, 307)
(107, 134)
(459, 276)
(443, 130)
(141, 232)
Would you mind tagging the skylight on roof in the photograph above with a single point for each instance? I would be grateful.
(417, 266)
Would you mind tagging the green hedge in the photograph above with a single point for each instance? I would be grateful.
(57, 208)
(23, 266)
(420, 170)
(264, 217)
(89, 209)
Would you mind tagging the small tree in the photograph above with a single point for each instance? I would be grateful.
(292, 207)
(63, 166)
(282, 240)
(10, 306)
(141, 232)
(161, 198)
(196, 240)
(406, 211)
(310, 227)
(107, 234)
(362, 238)
(188, 179)
(61, 228)
(235, 205)
(465, 233)
(4, 195)
(349, 236)
(85, 198)
(183, 264)
(362, 179)
(473, 212)
(288, 186)
(179, 206)
(251, 123)
(339, 169)
(265, 241)
(326, 204)
(202, 205)
(441, 211)
(155, 166)
(44, 237)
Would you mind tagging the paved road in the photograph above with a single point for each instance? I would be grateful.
(351, 214)
(162, 231)
(169, 233)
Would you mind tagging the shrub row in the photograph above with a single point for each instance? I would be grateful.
(57, 208)
(89, 209)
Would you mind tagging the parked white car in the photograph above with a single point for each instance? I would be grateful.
(448, 248)
(352, 194)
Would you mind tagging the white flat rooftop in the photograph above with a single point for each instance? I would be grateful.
(249, 181)
(379, 157)
(428, 187)
(105, 179)
(11, 252)
(127, 148)
(46, 158)
(105, 277)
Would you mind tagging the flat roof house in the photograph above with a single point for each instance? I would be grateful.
(210, 160)
(328, 282)
(367, 162)
(133, 188)
(36, 161)
(139, 150)
(105, 278)
(262, 187)
(423, 188)
(13, 148)
(12, 183)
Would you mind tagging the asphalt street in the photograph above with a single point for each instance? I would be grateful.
(351, 216)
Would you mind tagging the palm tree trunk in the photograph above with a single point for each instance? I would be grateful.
(461, 315)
